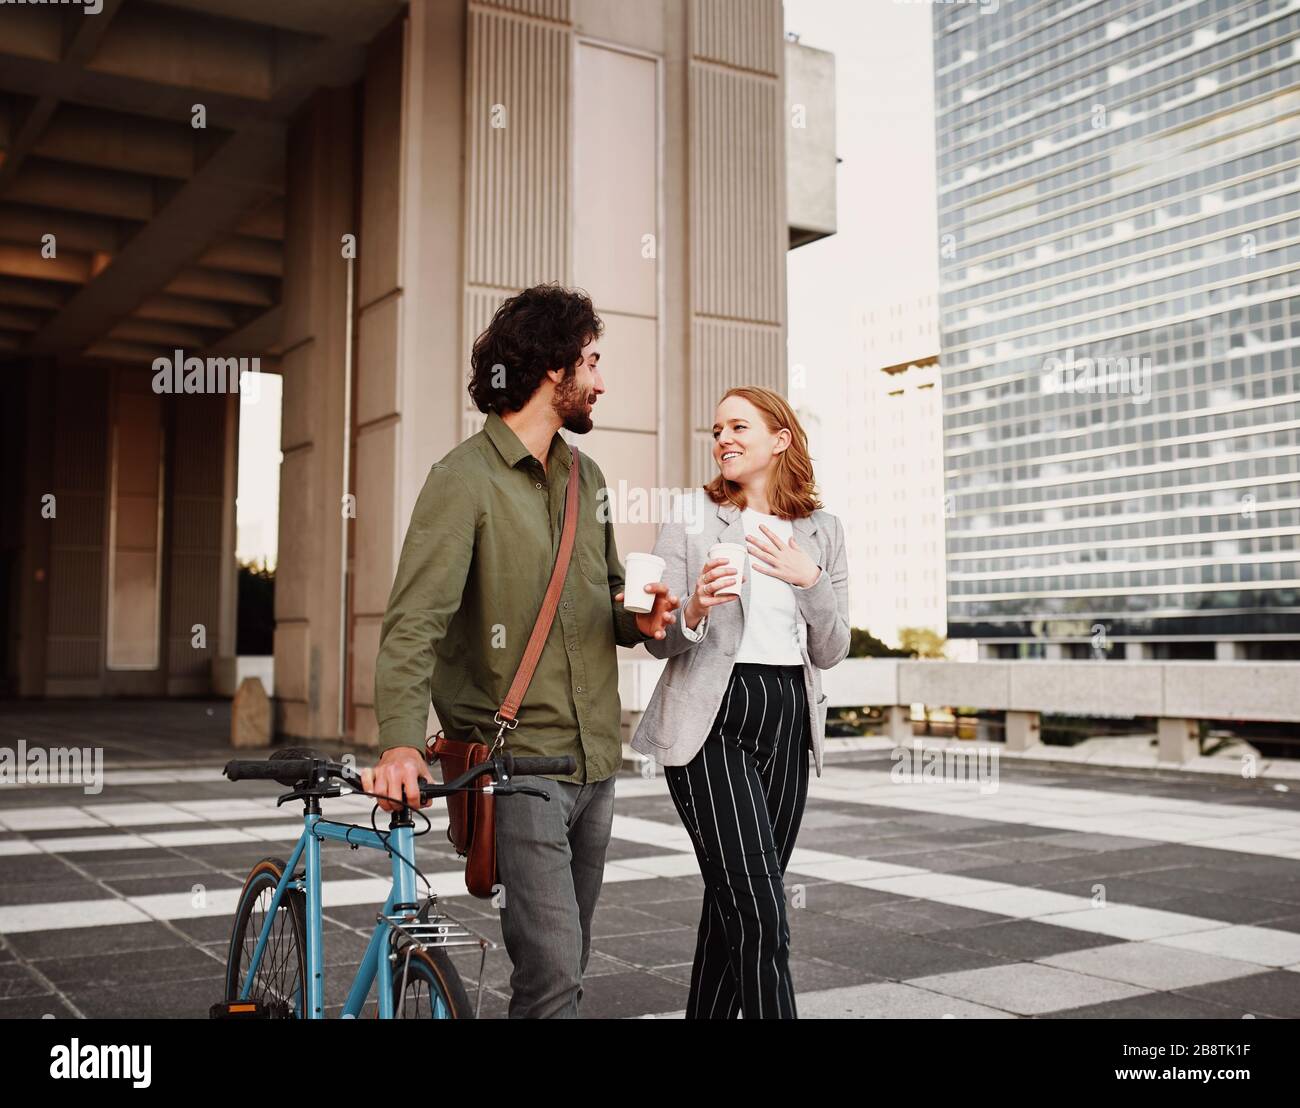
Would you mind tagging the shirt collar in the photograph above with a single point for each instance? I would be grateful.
(512, 449)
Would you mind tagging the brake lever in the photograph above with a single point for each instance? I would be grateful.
(331, 793)
(516, 790)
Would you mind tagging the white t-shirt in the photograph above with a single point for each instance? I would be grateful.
(771, 632)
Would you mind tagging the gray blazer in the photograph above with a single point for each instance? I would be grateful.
(685, 702)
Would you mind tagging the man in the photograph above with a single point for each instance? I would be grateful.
(473, 571)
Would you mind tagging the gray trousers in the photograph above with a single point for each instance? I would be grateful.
(551, 862)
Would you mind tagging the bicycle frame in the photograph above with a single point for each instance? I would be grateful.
(374, 964)
(420, 929)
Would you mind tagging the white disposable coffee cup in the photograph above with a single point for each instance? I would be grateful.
(735, 555)
(642, 570)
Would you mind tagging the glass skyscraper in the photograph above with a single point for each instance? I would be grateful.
(1119, 221)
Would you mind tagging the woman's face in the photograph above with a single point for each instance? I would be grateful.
(742, 445)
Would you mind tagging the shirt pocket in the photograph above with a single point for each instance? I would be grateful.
(590, 544)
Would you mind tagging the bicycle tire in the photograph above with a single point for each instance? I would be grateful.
(431, 973)
(283, 969)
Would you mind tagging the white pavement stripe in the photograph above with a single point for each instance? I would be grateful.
(175, 776)
(1261, 946)
(68, 913)
(652, 832)
(63, 915)
(62, 817)
(1233, 827)
(1236, 827)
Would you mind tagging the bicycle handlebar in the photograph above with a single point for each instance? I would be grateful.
(503, 767)
(291, 771)
(287, 771)
(539, 767)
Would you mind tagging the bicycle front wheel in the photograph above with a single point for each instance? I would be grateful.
(280, 981)
(433, 987)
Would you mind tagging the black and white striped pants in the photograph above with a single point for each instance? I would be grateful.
(741, 799)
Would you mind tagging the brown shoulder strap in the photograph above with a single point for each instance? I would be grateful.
(542, 628)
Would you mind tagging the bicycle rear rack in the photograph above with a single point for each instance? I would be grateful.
(431, 928)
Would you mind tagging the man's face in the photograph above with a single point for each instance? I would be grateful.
(576, 394)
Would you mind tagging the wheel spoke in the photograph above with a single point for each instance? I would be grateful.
(278, 978)
(419, 989)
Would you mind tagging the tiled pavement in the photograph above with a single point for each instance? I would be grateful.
(1072, 893)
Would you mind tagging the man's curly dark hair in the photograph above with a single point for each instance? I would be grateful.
(544, 327)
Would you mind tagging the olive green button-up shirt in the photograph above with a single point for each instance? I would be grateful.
(470, 581)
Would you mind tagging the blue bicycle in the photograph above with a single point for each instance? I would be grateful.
(275, 968)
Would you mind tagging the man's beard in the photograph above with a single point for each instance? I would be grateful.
(570, 404)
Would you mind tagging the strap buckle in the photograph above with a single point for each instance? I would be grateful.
(503, 725)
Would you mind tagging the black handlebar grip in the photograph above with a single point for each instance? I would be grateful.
(544, 767)
(287, 771)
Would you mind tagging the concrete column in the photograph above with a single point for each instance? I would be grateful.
(988, 652)
(1054, 652)
(224, 682)
(739, 236)
(411, 361)
(898, 724)
(75, 645)
(199, 575)
(1023, 731)
(28, 646)
(1137, 651)
(1177, 741)
(1229, 652)
(321, 158)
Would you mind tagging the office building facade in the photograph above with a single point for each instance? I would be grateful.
(1119, 212)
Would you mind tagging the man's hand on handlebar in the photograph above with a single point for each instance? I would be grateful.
(398, 774)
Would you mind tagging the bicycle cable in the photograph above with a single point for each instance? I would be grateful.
(386, 835)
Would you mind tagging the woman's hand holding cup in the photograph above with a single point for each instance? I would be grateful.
(716, 574)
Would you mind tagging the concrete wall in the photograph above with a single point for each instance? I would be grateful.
(1258, 691)
(1262, 691)
(811, 158)
(635, 150)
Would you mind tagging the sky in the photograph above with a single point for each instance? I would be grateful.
(885, 249)
(257, 500)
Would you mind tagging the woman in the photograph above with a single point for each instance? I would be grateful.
(739, 704)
